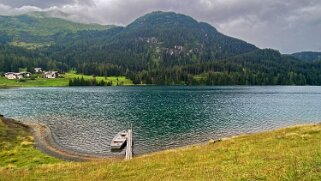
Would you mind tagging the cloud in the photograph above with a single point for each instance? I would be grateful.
(287, 25)
(42, 3)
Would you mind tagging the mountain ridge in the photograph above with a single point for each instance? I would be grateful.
(37, 28)
(308, 55)
(159, 48)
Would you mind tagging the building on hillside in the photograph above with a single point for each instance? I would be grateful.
(25, 74)
(38, 70)
(13, 75)
(51, 74)
(19, 75)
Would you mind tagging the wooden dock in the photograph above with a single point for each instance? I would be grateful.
(129, 147)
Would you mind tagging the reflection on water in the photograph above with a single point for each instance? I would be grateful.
(86, 119)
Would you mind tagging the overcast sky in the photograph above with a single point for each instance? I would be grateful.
(286, 25)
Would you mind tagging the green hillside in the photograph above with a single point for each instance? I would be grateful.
(156, 40)
(162, 48)
(36, 29)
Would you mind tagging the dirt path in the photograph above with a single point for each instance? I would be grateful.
(45, 142)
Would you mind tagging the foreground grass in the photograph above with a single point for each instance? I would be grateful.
(17, 148)
(287, 154)
(60, 82)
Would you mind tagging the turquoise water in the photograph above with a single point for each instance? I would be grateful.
(85, 119)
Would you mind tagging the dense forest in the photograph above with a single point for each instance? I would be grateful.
(308, 56)
(159, 48)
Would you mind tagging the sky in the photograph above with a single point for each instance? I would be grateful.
(286, 25)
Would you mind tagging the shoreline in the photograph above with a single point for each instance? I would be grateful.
(4, 86)
(45, 142)
(291, 153)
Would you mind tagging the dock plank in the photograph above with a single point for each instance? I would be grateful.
(129, 147)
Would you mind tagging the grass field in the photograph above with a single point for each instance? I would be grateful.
(60, 82)
(288, 154)
(17, 148)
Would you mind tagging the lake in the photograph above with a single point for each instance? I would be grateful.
(85, 119)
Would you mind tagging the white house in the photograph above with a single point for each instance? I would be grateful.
(38, 70)
(13, 75)
(19, 75)
(51, 74)
(25, 74)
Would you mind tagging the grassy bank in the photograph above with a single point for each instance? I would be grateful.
(60, 82)
(17, 147)
(287, 154)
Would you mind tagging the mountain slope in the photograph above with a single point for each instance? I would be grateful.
(37, 27)
(158, 39)
(173, 29)
(158, 48)
(12, 58)
(308, 56)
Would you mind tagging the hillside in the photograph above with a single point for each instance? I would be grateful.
(308, 56)
(163, 48)
(260, 67)
(158, 39)
(286, 154)
(37, 28)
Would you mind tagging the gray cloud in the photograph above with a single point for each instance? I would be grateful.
(287, 25)
(36, 3)
(42, 3)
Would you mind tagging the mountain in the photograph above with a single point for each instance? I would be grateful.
(170, 29)
(158, 48)
(158, 39)
(308, 56)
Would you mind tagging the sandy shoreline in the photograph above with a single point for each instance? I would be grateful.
(45, 142)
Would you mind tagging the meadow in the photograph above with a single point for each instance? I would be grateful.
(60, 82)
(17, 148)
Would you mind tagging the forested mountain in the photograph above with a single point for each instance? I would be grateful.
(259, 67)
(158, 48)
(153, 41)
(308, 56)
(12, 58)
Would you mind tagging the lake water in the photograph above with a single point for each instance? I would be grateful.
(85, 119)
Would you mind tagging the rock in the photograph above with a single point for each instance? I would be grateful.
(225, 139)
(214, 141)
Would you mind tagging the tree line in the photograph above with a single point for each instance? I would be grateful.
(88, 82)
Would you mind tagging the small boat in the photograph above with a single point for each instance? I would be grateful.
(119, 140)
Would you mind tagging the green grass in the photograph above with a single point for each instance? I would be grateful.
(17, 148)
(122, 80)
(200, 77)
(34, 83)
(60, 82)
(287, 154)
